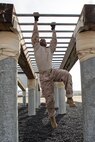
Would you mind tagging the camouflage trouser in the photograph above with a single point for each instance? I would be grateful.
(47, 80)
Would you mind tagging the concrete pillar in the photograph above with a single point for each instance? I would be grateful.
(8, 87)
(24, 98)
(56, 95)
(39, 101)
(85, 45)
(37, 95)
(61, 93)
(31, 97)
(8, 101)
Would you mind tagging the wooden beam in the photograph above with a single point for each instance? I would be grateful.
(8, 19)
(70, 57)
(48, 37)
(47, 31)
(49, 15)
(24, 64)
(49, 42)
(46, 24)
(6, 16)
(86, 22)
(21, 85)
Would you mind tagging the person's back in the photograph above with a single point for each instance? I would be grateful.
(43, 54)
(43, 58)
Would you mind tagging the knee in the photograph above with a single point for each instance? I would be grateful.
(68, 75)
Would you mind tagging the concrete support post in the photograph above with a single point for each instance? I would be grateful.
(56, 95)
(85, 45)
(8, 101)
(37, 95)
(39, 102)
(38, 99)
(8, 87)
(31, 97)
(24, 98)
(62, 93)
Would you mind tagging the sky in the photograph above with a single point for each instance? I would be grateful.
(54, 7)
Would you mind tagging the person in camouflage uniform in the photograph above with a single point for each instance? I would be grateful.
(48, 76)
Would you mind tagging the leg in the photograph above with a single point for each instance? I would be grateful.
(47, 91)
(63, 75)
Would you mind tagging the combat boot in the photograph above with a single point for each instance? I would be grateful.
(53, 122)
(71, 102)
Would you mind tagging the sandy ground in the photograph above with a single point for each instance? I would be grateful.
(76, 99)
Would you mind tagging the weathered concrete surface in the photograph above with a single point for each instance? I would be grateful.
(88, 98)
(31, 102)
(24, 98)
(62, 103)
(8, 101)
(56, 96)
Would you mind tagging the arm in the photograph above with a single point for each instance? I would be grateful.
(35, 35)
(53, 42)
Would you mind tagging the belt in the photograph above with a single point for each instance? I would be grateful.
(47, 71)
